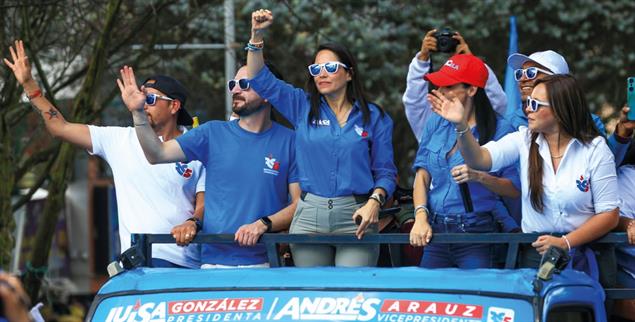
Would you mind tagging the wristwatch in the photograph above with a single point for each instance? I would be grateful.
(199, 224)
(265, 220)
(379, 198)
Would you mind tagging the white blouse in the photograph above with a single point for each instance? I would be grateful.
(585, 184)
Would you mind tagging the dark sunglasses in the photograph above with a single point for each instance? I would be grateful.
(530, 73)
(151, 99)
(243, 83)
(330, 67)
(535, 104)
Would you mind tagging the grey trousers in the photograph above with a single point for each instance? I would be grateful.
(318, 215)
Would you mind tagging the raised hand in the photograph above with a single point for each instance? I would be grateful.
(462, 47)
(261, 19)
(428, 44)
(450, 109)
(624, 127)
(132, 96)
(19, 63)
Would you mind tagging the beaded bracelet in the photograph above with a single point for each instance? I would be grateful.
(255, 46)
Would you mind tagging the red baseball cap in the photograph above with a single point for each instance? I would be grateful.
(462, 68)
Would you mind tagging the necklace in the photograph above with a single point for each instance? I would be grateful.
(561, 155)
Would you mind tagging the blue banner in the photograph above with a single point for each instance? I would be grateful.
(511, 87)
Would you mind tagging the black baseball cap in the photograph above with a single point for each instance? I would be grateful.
(172, 89)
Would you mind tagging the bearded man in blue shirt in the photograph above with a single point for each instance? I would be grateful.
(252, 170)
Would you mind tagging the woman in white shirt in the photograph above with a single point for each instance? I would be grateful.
(567, 174)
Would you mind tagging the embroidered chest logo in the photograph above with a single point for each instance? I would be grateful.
(583, 184)
(272, 166)
(183, 169)
(360, 131)
(325, 122)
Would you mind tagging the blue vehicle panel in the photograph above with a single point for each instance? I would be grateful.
(326, 294)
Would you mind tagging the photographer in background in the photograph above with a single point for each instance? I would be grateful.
(14, 303)
(414, 98)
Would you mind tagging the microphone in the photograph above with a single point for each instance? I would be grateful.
(467, 198)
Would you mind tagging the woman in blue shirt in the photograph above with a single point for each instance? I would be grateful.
(440, 169)
(344, 149)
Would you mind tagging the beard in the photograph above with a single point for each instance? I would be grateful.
(246, 109)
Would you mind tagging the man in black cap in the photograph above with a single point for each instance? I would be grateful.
(150, 198)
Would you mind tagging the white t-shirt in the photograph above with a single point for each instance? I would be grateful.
(150, 198)
(584, 185)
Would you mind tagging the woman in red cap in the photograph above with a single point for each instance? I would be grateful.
(567, 171)
(449, 196)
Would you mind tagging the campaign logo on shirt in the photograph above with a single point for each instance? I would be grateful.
(183, 169)
(273, 166)
(360, 131)
(325, 122)
(583, 184)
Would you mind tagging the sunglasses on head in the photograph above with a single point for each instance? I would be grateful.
(330, 67)
(243, 84)
(530, 73)
(151, 99)
(535, 104)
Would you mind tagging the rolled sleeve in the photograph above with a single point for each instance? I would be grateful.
(603, 179)
(285, 98)
(382, 161)
(505, 152)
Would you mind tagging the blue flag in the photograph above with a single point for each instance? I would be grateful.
(511, 87)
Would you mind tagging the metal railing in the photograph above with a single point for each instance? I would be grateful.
(512, 240)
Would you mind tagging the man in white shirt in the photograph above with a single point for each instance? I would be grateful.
(150, 198)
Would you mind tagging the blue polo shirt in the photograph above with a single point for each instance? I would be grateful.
(334, 161)
(248, 176)
(438, 138)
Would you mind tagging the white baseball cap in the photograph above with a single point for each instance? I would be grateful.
(549, 59)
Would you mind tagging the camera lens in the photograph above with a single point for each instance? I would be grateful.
(630, 88)
(630, 80)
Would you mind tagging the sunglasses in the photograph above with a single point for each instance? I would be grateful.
(151, 99)
(330, 67)
(535, 104)
(530, 73)
(243, 83)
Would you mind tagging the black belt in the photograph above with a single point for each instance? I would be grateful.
(358, 198)
(465, 218)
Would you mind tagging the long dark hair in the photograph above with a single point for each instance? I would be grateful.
(485, 117)
(572, 114)
(354, 91)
